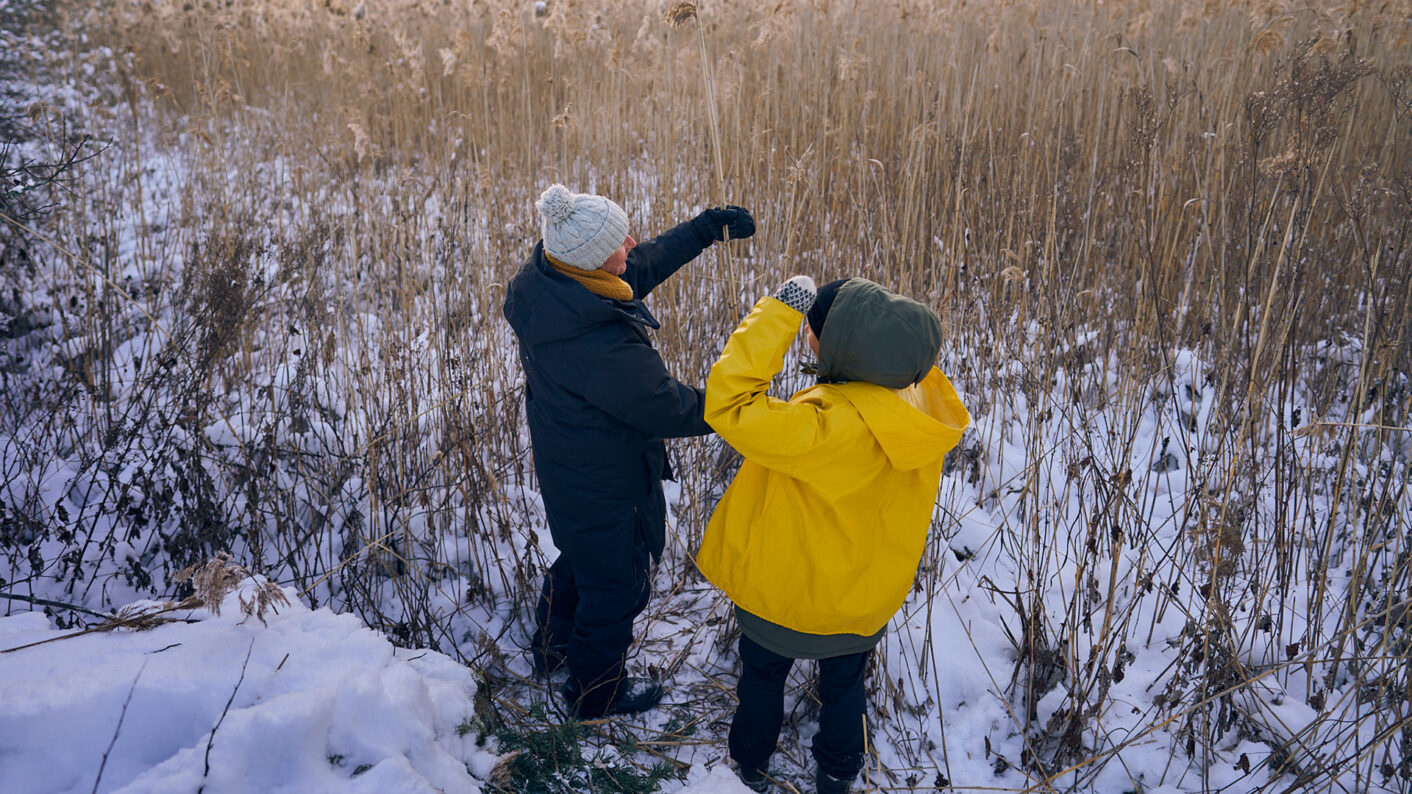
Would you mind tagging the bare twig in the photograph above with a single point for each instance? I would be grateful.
(140, 620)
(119, 727)
(45, 602)
(211, 740)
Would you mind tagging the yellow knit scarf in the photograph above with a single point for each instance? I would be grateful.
(599, 282)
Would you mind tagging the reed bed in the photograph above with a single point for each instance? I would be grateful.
(1170, 242)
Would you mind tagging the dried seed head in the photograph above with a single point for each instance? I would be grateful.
(216, 578)
(1269, 40)
(1279, 164)
(213, 580)
(267, 596)
(360, 140)
(678, 14)
(565, 119)
(505, 34)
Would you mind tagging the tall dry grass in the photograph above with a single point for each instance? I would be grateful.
(1178, 221)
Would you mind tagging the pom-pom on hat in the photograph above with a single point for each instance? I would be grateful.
(580, 229)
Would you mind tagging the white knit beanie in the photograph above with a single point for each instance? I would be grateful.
(580, 229)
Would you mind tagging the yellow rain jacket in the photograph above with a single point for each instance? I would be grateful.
(823, 527)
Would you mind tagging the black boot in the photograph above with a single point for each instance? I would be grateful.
(633, 696)
(825, 783)
(755, 780)
(637, 695)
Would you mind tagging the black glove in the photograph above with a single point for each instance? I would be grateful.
(736, 219)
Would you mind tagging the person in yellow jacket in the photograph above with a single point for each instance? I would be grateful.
(818, 538)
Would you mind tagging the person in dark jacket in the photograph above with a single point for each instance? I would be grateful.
(599, 403)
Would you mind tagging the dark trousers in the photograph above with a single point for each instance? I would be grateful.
(588, 606)
(755, 729)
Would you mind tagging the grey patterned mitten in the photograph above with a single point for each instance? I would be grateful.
(797, 293)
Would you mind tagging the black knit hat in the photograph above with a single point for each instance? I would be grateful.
(823, 301)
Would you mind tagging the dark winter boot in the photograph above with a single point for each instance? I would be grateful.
(637, 695)
(825, 783)
(755, 780)
(633, 696)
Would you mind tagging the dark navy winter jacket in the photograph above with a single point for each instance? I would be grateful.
(598, 398)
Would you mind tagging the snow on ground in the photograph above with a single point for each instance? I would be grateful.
(309, 701)
(322, 703)
(719, 780)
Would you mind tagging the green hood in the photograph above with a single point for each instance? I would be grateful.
(873, 334)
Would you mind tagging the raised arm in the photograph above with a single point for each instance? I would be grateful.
(654, 261)
(772, 432)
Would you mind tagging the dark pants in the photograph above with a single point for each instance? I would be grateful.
(755, 730)
(588, 602)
